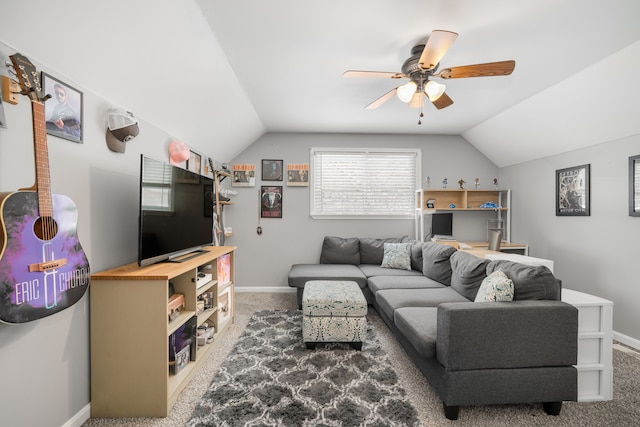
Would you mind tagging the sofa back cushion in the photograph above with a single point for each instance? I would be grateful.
(530, 282)
(416, 254)
(467, 273)
(372, 250)
(339, 250)
(436, 264)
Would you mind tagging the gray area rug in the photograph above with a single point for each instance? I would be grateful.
(271, 379)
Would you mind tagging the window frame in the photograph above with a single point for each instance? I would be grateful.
(314, 151)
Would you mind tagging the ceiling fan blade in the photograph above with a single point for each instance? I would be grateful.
(384, 98)
(502, 68)
(443, 102)
(385, 74)
(437, 45)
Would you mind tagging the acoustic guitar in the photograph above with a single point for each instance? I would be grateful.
(43, 268)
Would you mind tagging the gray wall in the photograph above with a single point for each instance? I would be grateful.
(264, 261)
(597, 254)
(44, 365)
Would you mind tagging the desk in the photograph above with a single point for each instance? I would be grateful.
(511, 247)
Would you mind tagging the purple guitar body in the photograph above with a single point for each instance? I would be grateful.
(29, 295)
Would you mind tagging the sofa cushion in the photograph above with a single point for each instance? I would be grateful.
(378, 270)
(299, 274)
(495, 287)
(435, 261)
(377, 283)
(389, 300)
(530, 282)
(416, 253)
(467, 273)
(397, 255)
(419, 326)
(339, 250)
(372, 249)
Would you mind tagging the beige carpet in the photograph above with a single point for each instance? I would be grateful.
(624, 410)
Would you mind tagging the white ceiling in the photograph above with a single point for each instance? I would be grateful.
(219, 74)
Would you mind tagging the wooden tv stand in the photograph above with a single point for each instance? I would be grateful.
(130, 330)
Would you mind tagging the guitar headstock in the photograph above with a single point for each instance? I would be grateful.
(28, 77)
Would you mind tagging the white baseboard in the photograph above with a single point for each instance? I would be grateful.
(277, 289)
(626, 340)
(80, 417)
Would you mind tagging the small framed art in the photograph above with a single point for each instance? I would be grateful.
(244, 176)
(271, 170)
(271, 201)
(63, 111)
(572, 191)
(194, 163)
(298, 174)
(634, 185)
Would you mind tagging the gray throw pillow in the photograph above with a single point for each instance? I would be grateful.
(339, 250)
(530, 282)
(435, 261)
(467, 273)
(372, 249)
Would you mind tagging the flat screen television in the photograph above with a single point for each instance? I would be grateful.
(176, 212)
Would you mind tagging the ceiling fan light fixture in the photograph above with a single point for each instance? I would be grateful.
(406, 91)
(434, 90)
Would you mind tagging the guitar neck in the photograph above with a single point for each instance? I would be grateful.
(43, 179)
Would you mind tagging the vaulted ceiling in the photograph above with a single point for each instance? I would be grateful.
(219, 74)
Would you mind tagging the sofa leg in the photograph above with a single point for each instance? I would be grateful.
(552, 408)
(451, 412)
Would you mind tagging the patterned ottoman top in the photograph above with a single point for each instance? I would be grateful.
(333, 298)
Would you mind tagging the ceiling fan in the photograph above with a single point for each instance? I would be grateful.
(423, 65)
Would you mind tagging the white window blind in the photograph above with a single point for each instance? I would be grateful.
(364, 182)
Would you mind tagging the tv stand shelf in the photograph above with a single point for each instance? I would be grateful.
(130, 331)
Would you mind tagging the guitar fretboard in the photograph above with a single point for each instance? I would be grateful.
(43, 179)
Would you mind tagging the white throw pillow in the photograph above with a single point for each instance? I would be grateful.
(397, 255)
(495, 287)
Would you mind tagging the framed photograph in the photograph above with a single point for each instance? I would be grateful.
(271, 170)
(572, 191)
(63, 111)
(271, 201)
(298, 174)
(634, 185)
(194, 163)
(243, 176)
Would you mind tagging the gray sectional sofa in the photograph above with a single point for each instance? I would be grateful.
(471, 353)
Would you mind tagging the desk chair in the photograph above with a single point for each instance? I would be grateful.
(495, 239)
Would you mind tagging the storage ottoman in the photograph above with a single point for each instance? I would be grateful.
(333, 311)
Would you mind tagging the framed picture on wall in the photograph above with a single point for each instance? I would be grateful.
(63, 111)
(194, 163)
(271, 201)
(634, 185)
(572, 191)
(298, 174)
(244, 175)
(271, 170)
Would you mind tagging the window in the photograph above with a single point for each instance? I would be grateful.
(364, 182)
